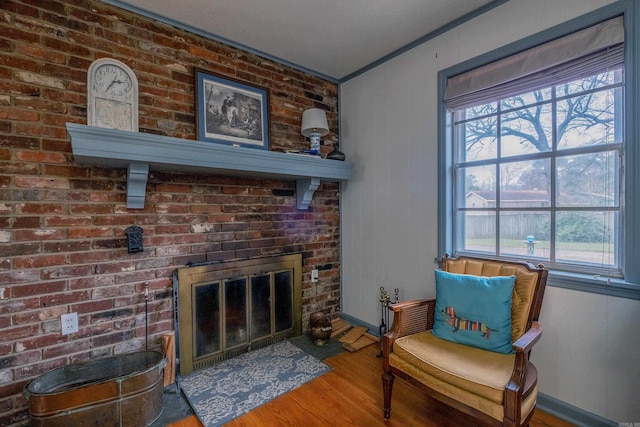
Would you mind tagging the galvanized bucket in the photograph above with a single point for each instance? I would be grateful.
(122, 390)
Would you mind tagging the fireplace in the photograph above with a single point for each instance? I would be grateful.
(228, 308)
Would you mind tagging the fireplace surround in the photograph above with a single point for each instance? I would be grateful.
(228, 308)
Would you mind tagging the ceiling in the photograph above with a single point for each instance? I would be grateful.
(330, 38)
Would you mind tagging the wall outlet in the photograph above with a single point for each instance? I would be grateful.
(314, 276)
(69, 323)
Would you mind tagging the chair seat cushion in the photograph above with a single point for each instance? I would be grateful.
(481, 372)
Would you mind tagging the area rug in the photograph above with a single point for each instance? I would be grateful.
(226, 390)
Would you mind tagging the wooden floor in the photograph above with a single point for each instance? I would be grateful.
(351, 395)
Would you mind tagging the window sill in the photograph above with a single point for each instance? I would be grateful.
(593, 284)
(581, 282)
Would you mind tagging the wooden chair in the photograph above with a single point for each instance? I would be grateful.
(495, 389)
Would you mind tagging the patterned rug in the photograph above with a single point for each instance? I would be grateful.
(226, 390)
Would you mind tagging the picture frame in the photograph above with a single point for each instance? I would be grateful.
(231, 112)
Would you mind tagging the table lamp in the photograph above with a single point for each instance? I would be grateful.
(314, 125)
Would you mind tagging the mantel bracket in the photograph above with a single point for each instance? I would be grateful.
(137, 175)
(304, 192)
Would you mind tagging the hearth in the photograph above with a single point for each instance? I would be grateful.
(228, 308)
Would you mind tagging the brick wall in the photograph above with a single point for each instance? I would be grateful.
(62, 244)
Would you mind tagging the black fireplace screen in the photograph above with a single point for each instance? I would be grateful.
(226, 309)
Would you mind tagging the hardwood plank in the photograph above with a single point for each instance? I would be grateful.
(542, 419)
(351, 394)
(190, 421)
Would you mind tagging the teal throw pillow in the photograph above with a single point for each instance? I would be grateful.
(474, 310)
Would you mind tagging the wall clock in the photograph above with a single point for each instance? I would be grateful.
(112, 95)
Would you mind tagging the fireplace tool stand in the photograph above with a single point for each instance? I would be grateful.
(385, 301)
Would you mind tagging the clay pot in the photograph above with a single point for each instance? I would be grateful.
(320, 328)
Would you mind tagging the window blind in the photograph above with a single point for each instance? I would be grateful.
(581, 54)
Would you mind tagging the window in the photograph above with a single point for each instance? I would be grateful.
(538, 145)
(538, 175)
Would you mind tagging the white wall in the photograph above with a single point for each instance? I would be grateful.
(588, 355)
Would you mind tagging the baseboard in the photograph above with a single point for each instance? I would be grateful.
(570, 413)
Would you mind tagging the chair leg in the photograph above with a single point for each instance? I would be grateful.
(387, 388)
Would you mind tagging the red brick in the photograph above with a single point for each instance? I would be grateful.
(41, 315)
(16, 306)
(172, 229)
(92, 306)
(18, 115)
(18, 276)
(39, 53)
(26, 222)
(66, 171)
(39, 261)
(32, 371)
(40, 234)
(135, 276)
(66, 298)
(66, 246)
(189, 239)
(77, 214)
(90, 209)
(33, 182)
(113, 338)
(19, 249)
(17, 359)
(60, 221)
(115, 267)
(20, 332)
(173, 209)
(173, 188)
(5, 348)
(19, 8)
(5, 322)
(63, 46)
(94, 257)
(79, 233)
(66, 349)
(39, 208)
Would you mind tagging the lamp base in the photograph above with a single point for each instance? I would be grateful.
(314, 139)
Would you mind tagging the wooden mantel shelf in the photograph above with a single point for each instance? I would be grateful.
(142, 152)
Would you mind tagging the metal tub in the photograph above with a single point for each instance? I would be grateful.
(122, 390)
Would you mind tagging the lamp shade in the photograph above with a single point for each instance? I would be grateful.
(314, 120)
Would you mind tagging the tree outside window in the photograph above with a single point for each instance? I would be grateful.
(539, 175)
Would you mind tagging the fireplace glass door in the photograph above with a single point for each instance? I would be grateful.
(228, 311)
(260, 306)
(235, 312)
(207, 319)
(271, 304)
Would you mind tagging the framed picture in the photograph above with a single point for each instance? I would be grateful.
(231, 112)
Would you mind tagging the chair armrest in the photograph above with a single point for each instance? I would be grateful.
(518, 385)
(409, 317)
(526, 342)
